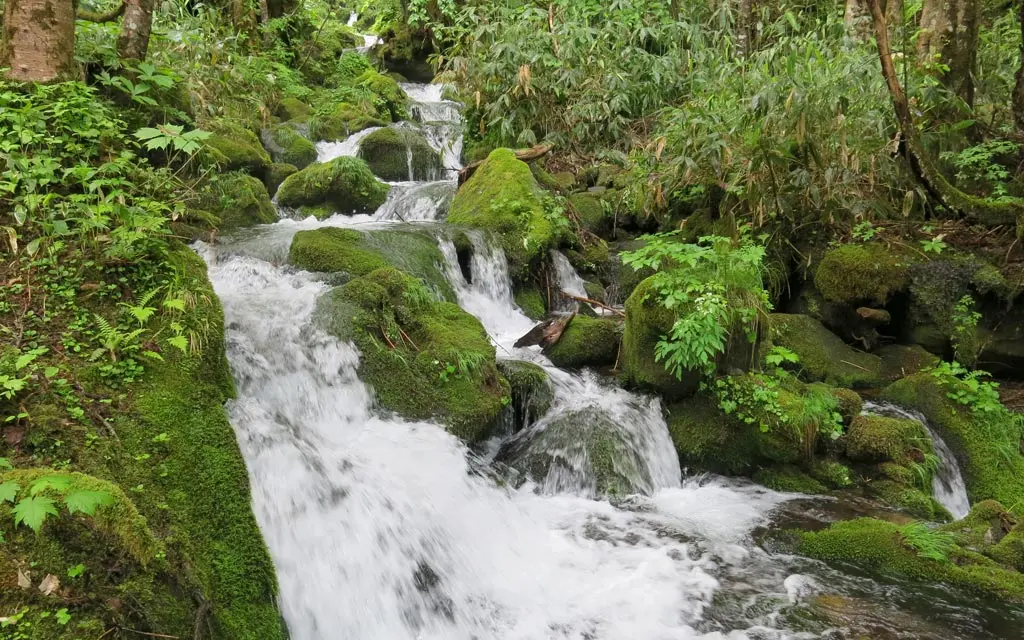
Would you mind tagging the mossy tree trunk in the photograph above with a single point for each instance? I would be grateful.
(949, 36)
(38, 40)
(133, 41)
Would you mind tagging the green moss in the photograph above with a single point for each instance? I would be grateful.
(899, 360)
(389, 96)
(987, 445)
(504, 198)
(386, 151)
(909, 499)
(239, 200)
(587, 342)
(788, 479)
(848, 402)
(277, 173)
(344, 120)
(706, 439)
(879, 547)
(239, 147)
(531, 391)
(344, 184)
(982, 527)
(292, 109)
(1010, 550)
(647, 321)
(833, 474)
(423, 358)
(823, 356)
(855, 273)
(592, 212)
(358, 253)
(350, 66)
(531, 301)
(287, 145)
(881, 439)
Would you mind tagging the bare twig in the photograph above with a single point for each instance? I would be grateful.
(593, 303)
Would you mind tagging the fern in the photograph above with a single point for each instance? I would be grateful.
(931, 544)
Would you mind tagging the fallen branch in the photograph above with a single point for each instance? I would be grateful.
(526, 155)
(96, 16)
(546, 333)
(593, 303)
(967, 206)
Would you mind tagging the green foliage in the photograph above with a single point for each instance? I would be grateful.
(965, 331)
(929, 543)
(32, 509)
(969, 387)
(982, 167)
(713, 287)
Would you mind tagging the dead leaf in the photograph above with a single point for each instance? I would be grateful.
(49, 584)
(23, 580)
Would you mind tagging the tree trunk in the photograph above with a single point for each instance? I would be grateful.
(38, 43)
(133, 41)
(745, 26)
(1018, 89)
(949, 36)
(857, 19)
(928, 175)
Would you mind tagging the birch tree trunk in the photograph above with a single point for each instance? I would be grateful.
(38, 42)
(949, 36)
(133, 41)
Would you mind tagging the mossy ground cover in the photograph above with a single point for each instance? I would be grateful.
(424, 358)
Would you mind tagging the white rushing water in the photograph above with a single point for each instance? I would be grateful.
(948, 486)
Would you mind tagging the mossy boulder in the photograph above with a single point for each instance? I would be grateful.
(287, 145)
(989, 529)
(343, 185)
(647, 321)
(849, 404)
(823, 356)
(901, 360)
(583, 451)
(357, 253)
(909, 499)
(882, 548)
(277, 173)
(343, 120)
(587, 342)
(232, 146)
(504, 198)
(238, 200)
(291, 109)
(831, 473)
(862, 273)
(531, 393)
(387, 152)
(389, 97)
(987, 444)
(881, 439)
(531, 302)
(425, 359)
(788, 479)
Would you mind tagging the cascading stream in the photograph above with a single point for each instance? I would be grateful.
(384, 529)
(948, 486)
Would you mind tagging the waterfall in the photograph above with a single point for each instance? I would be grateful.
(327, 151)
(948, 486)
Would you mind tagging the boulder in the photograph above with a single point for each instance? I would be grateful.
(587, 342)
(401, 153)
(343, 185)
(232, 146)
(238, 200)
(288, 145)
(531, 394)
(823, 356)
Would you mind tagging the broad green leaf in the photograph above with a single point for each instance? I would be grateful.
(5, 464)
(82, 501)
(145, 133)
(32, 512)
(59, 484)
(8, 491)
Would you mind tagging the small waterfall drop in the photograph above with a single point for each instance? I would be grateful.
(948, 486)
(327, 150)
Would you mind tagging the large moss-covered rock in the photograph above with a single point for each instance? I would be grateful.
(582, 451)
(901, 360)
(909, 499)
(277, 173)
(389, 97)
(987, 444)
(587, 342)
(882, 548)
(291, 109)
(401, 153)
(343, 185)
(343, 120)
(823, 356)
(880, 439)
(232, 146)
(357, 253)
(862, 273)
(647, 321)
(287, 145)
(424, 359)
(504, 198)
(531, 393)
(238, 200)
(531, 301)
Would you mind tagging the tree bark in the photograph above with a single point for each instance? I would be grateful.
(1018, 89)
(955, 201)
(949, 36)
(133, 41)
(38, 43)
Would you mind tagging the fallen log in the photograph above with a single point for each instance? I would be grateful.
(546, 333)
(526, 155)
